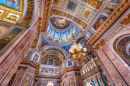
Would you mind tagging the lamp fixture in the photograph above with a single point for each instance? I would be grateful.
(78, 53)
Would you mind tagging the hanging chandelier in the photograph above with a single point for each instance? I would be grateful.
(78, 54)
(50, 83)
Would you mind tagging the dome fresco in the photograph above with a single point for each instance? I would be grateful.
(61, 36)
(60, 23)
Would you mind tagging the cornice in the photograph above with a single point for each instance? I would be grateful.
(90, 73)
(101, 43)
(61, 74)
(37, 66)
(122, 7)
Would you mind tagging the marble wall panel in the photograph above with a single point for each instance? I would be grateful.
(119, 65)
(111, 70)
(6, 64)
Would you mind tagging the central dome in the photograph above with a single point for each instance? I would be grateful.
(60, 23)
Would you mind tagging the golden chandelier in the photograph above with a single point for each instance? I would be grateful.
(78, 54)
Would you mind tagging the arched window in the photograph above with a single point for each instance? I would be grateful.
(50, 62)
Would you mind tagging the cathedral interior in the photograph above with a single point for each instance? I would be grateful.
(64, 42)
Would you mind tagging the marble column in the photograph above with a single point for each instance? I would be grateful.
(93, 82)
(9, 65)
(97, 80)
(125, 73)
(109, 66)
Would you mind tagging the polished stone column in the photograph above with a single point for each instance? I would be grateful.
(92, 81)
(97, 80)
(114, 67)
(9, 65)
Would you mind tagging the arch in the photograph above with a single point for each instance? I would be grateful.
(112, 40)
(47, 47)
(70, 19)
(120, 47)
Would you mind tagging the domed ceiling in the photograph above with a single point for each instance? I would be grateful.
(60, 31)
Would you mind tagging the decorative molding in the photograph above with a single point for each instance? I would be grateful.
(124, 5)
(126, 20)
(69, 16)
(29, 13)
(46, 14)
(101, 43)
(11, 15)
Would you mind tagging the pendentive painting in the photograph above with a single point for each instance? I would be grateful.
(71, 6)
(99, 21)
(11, 3)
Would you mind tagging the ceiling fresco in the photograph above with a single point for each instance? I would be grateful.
(11, 3)
(60, 23)
(82, 9)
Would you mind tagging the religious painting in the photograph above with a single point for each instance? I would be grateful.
(48, 70)
(9, 37)
(99, 21)
(71, 82)
(36, 58)
(71, 6)
(112, 5)
(69, 62)
(124, 41)
(11, 3)
(60, 23)
(106, 12)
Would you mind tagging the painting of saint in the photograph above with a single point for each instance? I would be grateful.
(99, 21)
(71, 6)
(36, 58)
(11, 3)
(69, 63)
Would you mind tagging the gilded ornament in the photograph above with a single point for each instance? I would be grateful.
(55, 2)
(29, 13)
(12, 17)
(126, 20)
(87, 13)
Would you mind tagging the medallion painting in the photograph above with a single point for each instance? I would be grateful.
(99, 21)
(71, 6)
(11, 3)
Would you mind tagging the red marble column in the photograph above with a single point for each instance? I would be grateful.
(12, 61)
(119, 65)
(109, 67)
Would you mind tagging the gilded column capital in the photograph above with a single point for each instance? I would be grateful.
(102, 42)
(126, 20)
